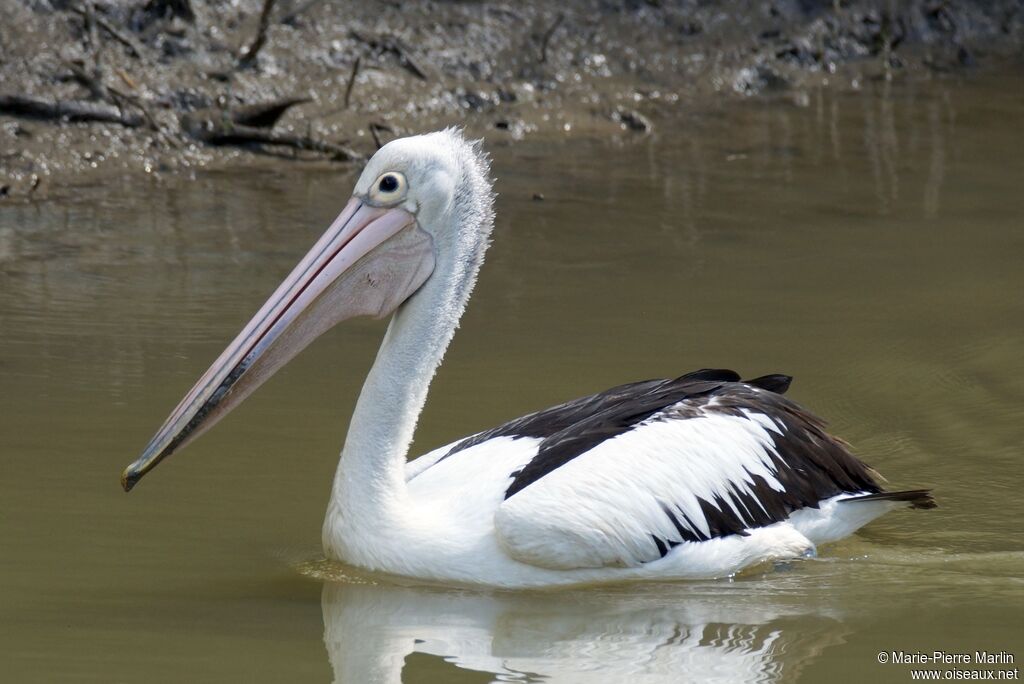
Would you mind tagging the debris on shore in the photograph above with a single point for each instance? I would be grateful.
(150, 84)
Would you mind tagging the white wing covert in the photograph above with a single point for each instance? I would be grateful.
(689, 460)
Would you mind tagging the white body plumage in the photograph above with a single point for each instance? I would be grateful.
(590, 520)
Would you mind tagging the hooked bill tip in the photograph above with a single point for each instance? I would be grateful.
(129, 479)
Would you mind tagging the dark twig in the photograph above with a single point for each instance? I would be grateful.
(171, 8)
(264, 114)
(88, 14)
(120, 96)
(547, 37)
(133, 45)
(247, 134)
(71, 110)
(352, 80)
(290, 17)
(92, 82)
(632, 120)
(247, 57)
(218, 129)
(116, 97)
(386, 43)
(375, 129)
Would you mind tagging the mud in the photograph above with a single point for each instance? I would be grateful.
(177, 82)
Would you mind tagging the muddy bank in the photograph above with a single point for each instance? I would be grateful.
(89, 89)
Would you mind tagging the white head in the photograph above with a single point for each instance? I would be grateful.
(443, 181)
(425, 174)
(421, 214)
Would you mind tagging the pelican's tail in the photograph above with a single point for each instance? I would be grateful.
(915, 498)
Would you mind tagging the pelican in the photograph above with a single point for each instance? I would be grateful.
(698, 476)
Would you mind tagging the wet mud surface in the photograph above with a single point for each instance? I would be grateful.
(92, 89)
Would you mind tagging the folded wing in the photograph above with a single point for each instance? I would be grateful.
(672, 462)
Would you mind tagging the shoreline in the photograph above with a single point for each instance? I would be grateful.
(332, 81)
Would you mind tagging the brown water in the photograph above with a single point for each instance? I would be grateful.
(870, 244)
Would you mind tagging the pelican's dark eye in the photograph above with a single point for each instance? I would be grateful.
(389, 188)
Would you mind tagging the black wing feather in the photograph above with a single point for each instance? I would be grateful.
(551, 421)
(621, 413)
(810, 464)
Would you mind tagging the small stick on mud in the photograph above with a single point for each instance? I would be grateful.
(264, 114)
(89, 27)
(164, 9)
(127, 79)
(251, 125)
(290, 17)
(375, 129)
(72, 110)
(351, 81)
(405, 60)
(89, 16)
(33, 185)
(119, 96)
(247, 57)
(385, 43)
(547, 37)
(217, 129)
(92, 82)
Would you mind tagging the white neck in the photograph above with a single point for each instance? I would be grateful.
(369, 483)
(369, 492)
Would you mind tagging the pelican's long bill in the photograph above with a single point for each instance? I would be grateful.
(368, 262)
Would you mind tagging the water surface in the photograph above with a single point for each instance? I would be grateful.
(869, 244)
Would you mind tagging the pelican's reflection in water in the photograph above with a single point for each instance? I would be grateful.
(709, 632)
